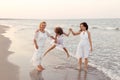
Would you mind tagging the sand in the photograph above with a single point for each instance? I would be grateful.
(54, 70)
(68, 74)
(8, 71)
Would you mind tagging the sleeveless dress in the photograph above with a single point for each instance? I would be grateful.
(40, 38)
(60, 42)
(83, 48)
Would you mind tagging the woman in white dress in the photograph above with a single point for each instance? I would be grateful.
(85, 44)
(39, 41)
(59, 40)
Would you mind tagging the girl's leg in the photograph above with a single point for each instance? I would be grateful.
(40, 68)
(66, 52)
(86, 64)
(80, 63)
(50, 49)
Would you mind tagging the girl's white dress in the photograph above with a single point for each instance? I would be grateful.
(60, 41)
(41, 38)
(83, 48)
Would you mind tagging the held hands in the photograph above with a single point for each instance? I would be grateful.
(70, 29)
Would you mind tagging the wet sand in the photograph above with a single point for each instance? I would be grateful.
(55, 70)
(68, 74)
(8, 71)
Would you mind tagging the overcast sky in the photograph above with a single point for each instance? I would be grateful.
(59, 9)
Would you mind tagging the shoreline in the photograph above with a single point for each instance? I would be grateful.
(8, 71)
(11, 71)
(94, 73)
(66, 71)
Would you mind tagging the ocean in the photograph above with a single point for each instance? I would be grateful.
(105, 37)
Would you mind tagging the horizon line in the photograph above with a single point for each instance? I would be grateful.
(52, 19)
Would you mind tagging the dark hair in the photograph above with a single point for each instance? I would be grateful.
(59, 30)
(85, 25)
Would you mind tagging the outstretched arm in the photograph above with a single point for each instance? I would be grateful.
(90, 41)
(52, 47)
(67, 34)
(75, 33)
(49, 35)
(52, 37)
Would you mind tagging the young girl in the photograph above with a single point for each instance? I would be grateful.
(39, 41)
(85, 44)
(58, 40)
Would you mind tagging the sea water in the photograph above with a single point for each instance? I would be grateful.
(105, 37)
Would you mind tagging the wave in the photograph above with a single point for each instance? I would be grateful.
(25, 29)
(99, 27)
(106, 72)
(106, 28)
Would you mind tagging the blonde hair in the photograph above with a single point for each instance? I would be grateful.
(43, 22)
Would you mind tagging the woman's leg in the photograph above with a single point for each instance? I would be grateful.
(86, 64)
(80, 63)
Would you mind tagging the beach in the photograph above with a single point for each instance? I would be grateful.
(94, 27)
(57, 69)
(17, 52)
(8, 71)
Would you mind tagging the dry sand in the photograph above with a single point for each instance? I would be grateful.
(8, 71)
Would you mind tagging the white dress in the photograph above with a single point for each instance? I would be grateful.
(60, 43)
(83, 48)
(41, 38)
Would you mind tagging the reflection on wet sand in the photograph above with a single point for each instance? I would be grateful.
(67, 73)
(35, 75)
(82, 77)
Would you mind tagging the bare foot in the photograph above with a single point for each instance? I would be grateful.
(43, 68)
(79, 68)
(85, 69)
(40, 68)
